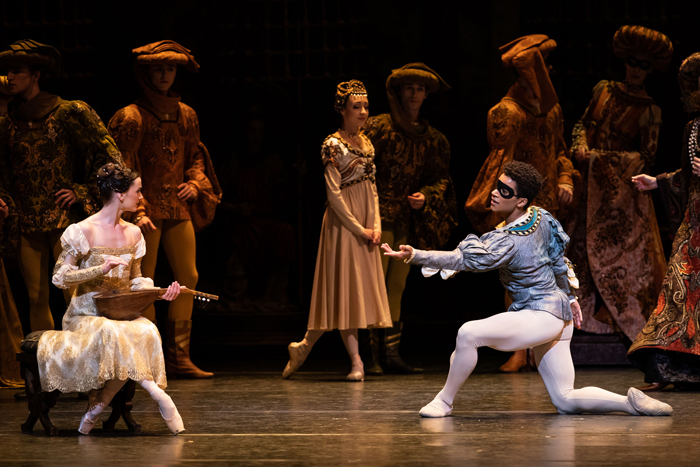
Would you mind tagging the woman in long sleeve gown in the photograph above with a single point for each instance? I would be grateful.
(94, 353)
(348, 291)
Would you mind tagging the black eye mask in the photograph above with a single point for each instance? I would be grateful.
(505, 191)
(641, 64)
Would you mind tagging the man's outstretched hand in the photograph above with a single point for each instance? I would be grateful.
(405, 253)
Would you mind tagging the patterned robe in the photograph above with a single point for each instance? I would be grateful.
(406, 165)
(615, 241)
(49, 144)
(517, 131)
(668, 347)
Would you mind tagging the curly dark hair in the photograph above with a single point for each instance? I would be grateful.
(527, 178)
(113, 178)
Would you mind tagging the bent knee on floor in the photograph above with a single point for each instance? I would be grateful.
(564, 404)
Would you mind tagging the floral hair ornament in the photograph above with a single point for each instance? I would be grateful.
(345, 90)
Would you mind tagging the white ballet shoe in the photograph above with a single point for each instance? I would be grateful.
(357, 373)
(87, 423)
(436, 409)
(646, 405)
(174, 423)
(298, 351)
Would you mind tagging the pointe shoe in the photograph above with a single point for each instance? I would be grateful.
(175, 423)
(646, 405)
(357, 373)
(436, 409)
(298, 351)
(653, 387)
(87, 423)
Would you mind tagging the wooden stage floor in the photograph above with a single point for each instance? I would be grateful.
(252, 417)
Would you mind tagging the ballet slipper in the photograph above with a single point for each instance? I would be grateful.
(174, 423)
(438, 408)
(646, 405)
(298, 351)
(357, 373)
(87, 422)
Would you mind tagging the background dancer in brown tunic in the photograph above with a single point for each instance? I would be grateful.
(615, 240)
(159, 136)
(348, 291)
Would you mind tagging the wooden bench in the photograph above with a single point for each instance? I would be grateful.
(40, 402)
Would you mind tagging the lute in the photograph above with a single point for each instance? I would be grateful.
(126, 304)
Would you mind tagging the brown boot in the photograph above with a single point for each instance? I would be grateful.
(517, 362)
(177, 356)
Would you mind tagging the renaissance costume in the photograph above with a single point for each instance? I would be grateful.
(411, 157)
(615, 239)
(667, 349)
(529, 255)
(91, 349)
(528, 126)
(47, 145)
(159, 137)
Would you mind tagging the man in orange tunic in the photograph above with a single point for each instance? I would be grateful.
(527, 125)
(159, 136)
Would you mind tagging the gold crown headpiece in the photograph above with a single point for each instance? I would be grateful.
(346, 89)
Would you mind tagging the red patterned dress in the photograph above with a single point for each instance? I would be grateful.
(668, 348)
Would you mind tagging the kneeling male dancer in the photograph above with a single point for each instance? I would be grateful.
(528, 250)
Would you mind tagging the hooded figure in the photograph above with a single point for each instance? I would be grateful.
(50, 150)
(527, 125)
(615, 240)
(667, 349)
(159, 137)
(416, 196)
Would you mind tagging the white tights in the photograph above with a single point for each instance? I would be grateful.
(550, 337)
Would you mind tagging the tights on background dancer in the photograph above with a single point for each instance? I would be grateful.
(528, 250)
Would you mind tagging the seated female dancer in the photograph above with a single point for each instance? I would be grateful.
(528, 249)
(94, 353)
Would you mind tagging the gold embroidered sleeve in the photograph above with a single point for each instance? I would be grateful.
(67, 274)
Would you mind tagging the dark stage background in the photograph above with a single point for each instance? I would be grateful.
(279, 62)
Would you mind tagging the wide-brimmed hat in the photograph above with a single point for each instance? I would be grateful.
(638, 40)
(166, 52)
(30, 52)
(417, 72)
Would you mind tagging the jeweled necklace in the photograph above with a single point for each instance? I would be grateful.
(693, 140)
(354, 137)
(633, 87)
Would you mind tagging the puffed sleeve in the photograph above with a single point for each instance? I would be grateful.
(66, 272)
(137, 280)
(330, 153)
(492, 251)
(565, 168)
(126, 127)
(194, 172)
(92, 139)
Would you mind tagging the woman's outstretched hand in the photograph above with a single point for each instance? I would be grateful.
(576, 311)
(173, 291)
(112, 262)
(405, 253)
(644, 182)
